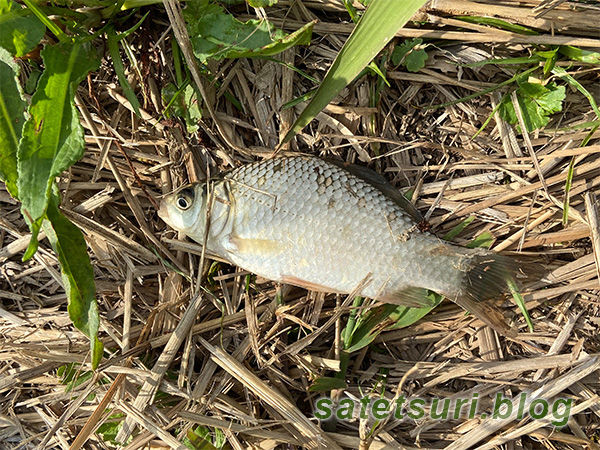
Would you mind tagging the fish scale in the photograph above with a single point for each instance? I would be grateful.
(309, 222)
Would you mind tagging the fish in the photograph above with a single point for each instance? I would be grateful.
(328, 226)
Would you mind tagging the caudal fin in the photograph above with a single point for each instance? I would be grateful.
(485, 282)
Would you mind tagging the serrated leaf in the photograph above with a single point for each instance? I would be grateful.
(77, 273)
(12, 118)
(52, 136)
(326, 384)
(376, 28)
(410, 54)
(216, 34)
(537, 103)
(20, 30)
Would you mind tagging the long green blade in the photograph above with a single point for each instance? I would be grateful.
(376, 28)
(77, 273)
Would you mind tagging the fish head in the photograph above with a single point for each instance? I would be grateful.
(185, 209)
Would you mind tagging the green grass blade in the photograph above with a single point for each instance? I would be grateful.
(565, 217)
(52, 136)
(450, 235)
(520, 301)
(485, 91)
(115, 54)
(12, 118)
(375, 29)
(60, 34)
(562, 73)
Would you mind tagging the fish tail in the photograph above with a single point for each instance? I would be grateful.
(487, 278)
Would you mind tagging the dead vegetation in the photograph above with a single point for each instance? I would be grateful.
(233, 357)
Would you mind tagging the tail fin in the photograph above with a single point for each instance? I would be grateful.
(485, 281)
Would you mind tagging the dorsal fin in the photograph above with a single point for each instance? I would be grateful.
(381, 184)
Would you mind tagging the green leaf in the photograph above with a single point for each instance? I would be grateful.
(109, 429)
(20, 30)
(377, 26)
(450, 235)
(58, 32)
(384, 318)
(261, 3)
(484, 240)
(568, 182)
(183, 103)
(498, 23)
(327, 384)
(12, 118)
(216, 34)
(115, 55)
(514, 290)
(404, 316)
(537, 103)
(411, 54)
(52, 136)
(577, 54)
(77, 273)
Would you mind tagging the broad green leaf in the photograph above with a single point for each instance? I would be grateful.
(384, 318)
(326, 384)
(537, 103)
(49, 23)
(404, 316)
(109, 429)
(410, 54)
(216, 34)
(20, 30)
(12, 118)
(52, 136)
(77, 273)
(577, 54)
(376, 28)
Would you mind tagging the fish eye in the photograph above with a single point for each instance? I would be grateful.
(184, 199)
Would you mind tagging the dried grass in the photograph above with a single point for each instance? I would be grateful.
(241, 362)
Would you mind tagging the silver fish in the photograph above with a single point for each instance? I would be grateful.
(326, 227)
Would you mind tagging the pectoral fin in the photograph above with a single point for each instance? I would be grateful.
(259, 247)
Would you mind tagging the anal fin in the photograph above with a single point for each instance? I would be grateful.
(295, 281)
(414, 297)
